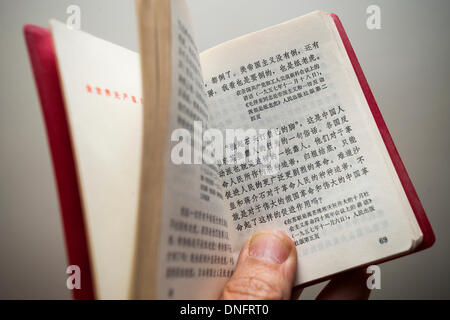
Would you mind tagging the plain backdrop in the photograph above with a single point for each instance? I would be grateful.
(405, 62)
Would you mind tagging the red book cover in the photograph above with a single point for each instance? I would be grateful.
(43, 62)
(42, 56)
(424, 224)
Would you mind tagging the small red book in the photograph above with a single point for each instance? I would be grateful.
(91, 103)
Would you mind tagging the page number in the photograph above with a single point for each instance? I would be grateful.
(383, 240)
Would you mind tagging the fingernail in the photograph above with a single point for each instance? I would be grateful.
(269, 247)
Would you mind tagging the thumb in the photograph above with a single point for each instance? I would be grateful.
(265, 268)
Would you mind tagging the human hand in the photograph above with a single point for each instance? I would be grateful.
(266, 270)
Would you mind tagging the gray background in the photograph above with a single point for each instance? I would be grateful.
(405, 63)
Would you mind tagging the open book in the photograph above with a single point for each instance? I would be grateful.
(147, 216)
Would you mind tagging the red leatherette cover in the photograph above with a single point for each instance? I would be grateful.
(43, 62)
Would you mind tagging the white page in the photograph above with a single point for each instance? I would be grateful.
(385, 228)
(106, 135)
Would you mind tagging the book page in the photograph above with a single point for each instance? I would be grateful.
(336, 192)
(194, 252)
(103, 99)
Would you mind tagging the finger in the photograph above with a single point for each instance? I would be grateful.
(265, 268)
(350, 285)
